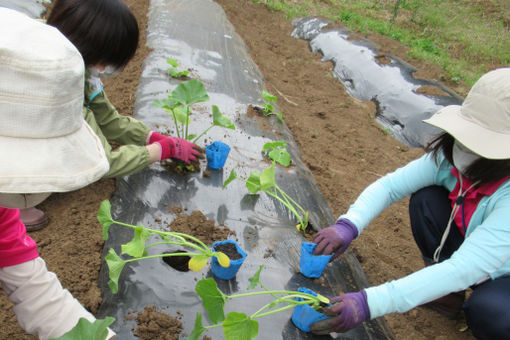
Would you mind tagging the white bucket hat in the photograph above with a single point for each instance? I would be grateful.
(482, 123)
(45, 144)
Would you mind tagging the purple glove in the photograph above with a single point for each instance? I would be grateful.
(335, 239)
(347, 311)
(179, 148)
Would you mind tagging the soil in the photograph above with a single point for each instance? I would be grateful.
(197, 225)
(154, 325)
(230, 250)
(341, 143)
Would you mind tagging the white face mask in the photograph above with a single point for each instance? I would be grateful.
(462, 157)
(21, 201)
(108, 72)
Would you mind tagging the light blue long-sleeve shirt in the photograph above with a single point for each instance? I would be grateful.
(484, 253)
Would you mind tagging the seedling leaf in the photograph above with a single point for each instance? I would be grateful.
(253, 182)
(105, 217)
(223, 259)
(220, 120)
(230, 178)
(115, 266)
(190, 92)
(213, 299)
(238, 326)
(269, 97)
(255, 279)
(323, 299)
(136, 246)
(173, 62)
(85, 330)
(280, 156)
(274, 145)
(197, 263)
(198, 329)
(267, 178)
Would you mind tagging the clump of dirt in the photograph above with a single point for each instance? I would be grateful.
(154, 325)
(197, 225)
(265, 123)
(179, 167)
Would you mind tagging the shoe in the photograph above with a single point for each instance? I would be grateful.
(33, 218)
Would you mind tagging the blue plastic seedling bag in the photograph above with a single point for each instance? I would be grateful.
(231, 271)
(311, 265)
(217, 154)
(304, 315)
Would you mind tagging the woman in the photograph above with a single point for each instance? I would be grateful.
(460, 218)
(45, 146)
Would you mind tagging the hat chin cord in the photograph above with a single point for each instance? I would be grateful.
(458, 202)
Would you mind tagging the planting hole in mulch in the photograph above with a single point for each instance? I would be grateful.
(179, 263)
(197, 225)
(154, 325)
(230, 250)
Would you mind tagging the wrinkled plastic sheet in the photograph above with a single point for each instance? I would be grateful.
(391, 86)
(32, 8)
(198, 35)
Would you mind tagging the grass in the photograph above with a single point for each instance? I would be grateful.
(466, 38)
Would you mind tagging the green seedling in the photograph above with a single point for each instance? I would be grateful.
(266, 182)
(239, 326)
(137, 248)
(277, 152)
(178, 105)
(268, 108)
(174, 73)
(84, 329)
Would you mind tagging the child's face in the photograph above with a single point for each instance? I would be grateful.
(102, 71)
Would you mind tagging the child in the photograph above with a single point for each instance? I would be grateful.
(45, 146)
(106, 34)
(460, 218)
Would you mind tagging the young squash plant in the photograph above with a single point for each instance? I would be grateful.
(174, 72)
(137, 248)
(178, 106)
(237, 326)
(266, 182)
(277, 151)
(268, 108)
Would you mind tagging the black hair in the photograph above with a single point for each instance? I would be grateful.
(483, 170)
(104, 31)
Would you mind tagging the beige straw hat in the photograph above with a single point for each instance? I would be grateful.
(45, 144)
(482, 123)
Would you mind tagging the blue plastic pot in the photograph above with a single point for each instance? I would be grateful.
(217, 154)
(227, 273)
(311, 265)
(304, 315)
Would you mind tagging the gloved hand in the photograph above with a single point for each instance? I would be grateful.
(347, 311)
(154, 137)
(335, 239)
(178, 148)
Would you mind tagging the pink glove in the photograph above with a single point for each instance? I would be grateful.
(347, 311)
(154, 137)
(335, 239)
(181, 149)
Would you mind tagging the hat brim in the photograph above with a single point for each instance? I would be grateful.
(58, 164)
(480, 140)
